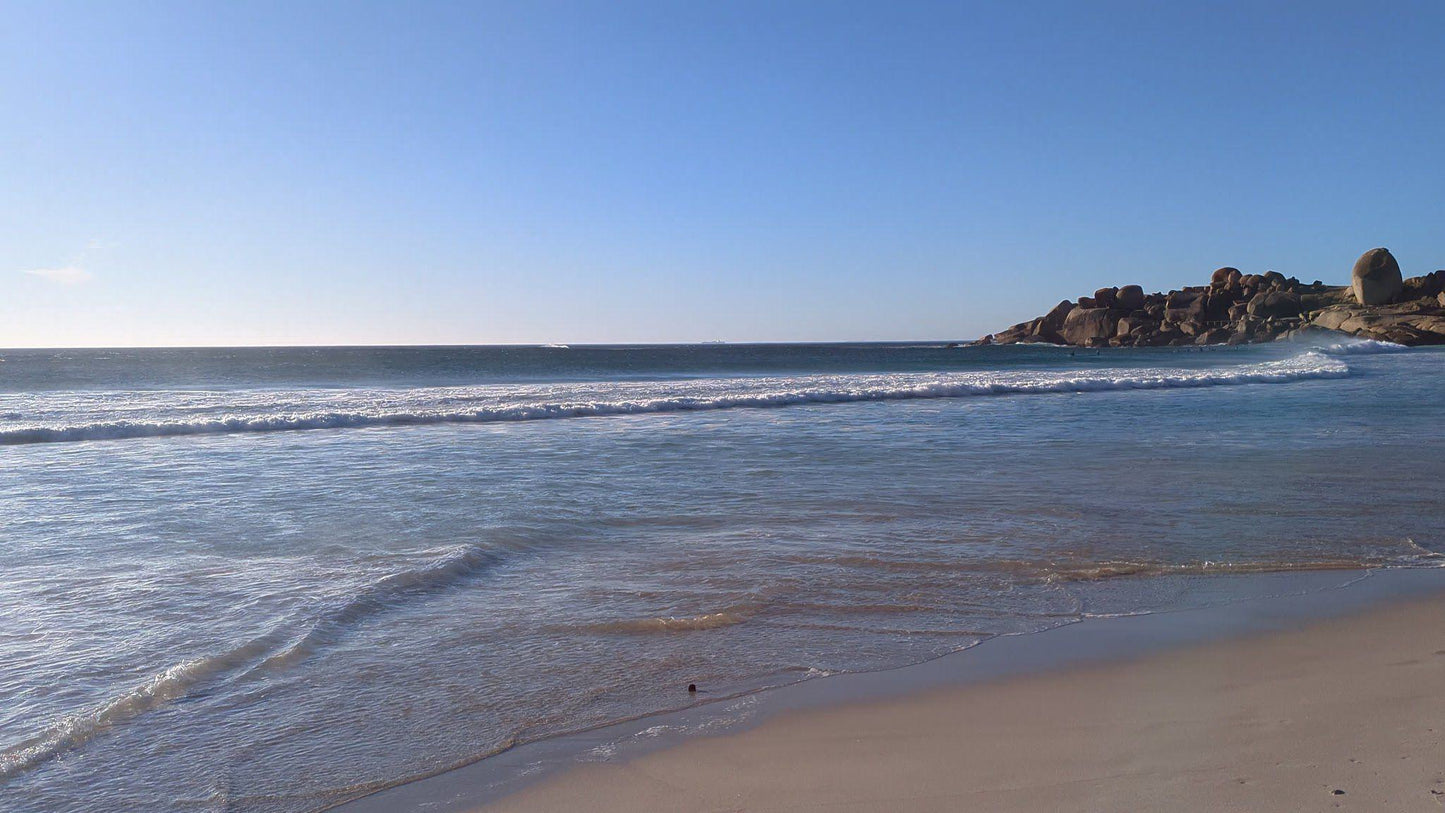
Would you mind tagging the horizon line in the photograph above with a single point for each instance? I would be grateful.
(444, 345)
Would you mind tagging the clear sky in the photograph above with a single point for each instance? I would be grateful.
(309, 173)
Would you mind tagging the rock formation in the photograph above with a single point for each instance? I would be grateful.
(1236, 308)
(1376, 279)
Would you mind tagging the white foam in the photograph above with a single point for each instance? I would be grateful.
(1352, 346)
(165, 414)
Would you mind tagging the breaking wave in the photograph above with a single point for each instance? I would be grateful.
(1356, 347)
(212, 413)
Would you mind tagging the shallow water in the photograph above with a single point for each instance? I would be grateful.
(275, 579)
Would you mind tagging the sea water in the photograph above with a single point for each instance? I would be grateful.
(276, 579)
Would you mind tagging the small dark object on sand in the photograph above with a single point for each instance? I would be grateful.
(1338, 792)
(692, 687)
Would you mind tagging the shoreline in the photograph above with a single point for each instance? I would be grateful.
(1240, 614)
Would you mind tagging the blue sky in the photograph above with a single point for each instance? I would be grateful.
(308, 173)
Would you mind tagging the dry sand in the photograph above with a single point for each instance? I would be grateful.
(1345, 714)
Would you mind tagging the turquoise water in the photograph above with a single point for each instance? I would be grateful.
(263, 580)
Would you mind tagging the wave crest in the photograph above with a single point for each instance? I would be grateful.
(290, 411)
(450, 567)
(1359, 347)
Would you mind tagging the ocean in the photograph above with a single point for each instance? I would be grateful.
(277, 579)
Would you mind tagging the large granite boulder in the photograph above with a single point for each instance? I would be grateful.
(1376, 279)
(1217, 305)
(1136, 326)
(1185, 306)
(1274, 305)
(1084, 326)
(1224, 277)
(1053, 321)
(1217, 335)
(1130, 298)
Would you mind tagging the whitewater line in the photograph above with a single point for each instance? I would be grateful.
(752, 393)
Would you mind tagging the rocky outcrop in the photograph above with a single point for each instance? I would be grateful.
(1376, 279)
(1422, 287)
(1236, 308)
(1411, 322)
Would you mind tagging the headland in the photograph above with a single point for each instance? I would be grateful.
(1238, 308)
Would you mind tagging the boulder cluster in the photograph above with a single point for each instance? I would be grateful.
(1237, 308)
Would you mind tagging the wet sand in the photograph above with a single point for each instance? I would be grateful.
(1341, 714)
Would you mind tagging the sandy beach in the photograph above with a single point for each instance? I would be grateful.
(1341, 714)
